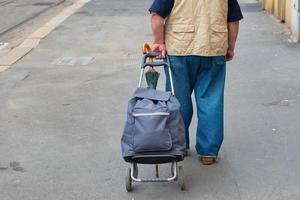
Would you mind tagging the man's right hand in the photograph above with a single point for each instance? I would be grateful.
(160, 48)
(229, 55)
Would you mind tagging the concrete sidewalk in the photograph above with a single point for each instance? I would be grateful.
(61, 124)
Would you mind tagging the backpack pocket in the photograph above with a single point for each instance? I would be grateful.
(151, 132)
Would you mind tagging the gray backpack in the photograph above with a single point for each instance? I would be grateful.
(154, 122)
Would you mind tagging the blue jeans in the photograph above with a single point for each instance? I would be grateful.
(206, 77)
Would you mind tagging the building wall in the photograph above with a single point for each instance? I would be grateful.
(269, 5)
(280, 8)
(287, 11)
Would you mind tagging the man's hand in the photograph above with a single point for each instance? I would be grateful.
(229, 55)
(160, 48)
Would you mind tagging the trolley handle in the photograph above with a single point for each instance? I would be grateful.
(150, 55)
(154, 64)
(165, 63)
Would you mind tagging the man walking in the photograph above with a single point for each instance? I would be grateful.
(199, 37)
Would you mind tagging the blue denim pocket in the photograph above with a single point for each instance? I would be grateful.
(219, 61)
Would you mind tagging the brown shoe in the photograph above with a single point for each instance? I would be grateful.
(207, 160)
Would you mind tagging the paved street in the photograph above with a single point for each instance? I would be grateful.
(19, 18)
(61, 123)
(16, 12)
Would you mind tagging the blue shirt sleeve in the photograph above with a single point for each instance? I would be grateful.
(234, 11)
(164, 8)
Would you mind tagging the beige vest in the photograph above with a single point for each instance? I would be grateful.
(197, 27)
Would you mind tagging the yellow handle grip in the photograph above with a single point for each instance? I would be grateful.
(147, 49)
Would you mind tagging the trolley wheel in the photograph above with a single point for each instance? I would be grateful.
(135, 170)
(181, 178)
(128, 180)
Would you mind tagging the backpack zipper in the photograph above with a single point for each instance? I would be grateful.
(151, 114)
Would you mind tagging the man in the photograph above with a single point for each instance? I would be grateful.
(199, 37)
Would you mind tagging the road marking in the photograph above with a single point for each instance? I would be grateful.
(30, 43)
(3, 68)
(3, 45)
(33, 40)
(14, 55)
(41, 32)
(71, 61)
